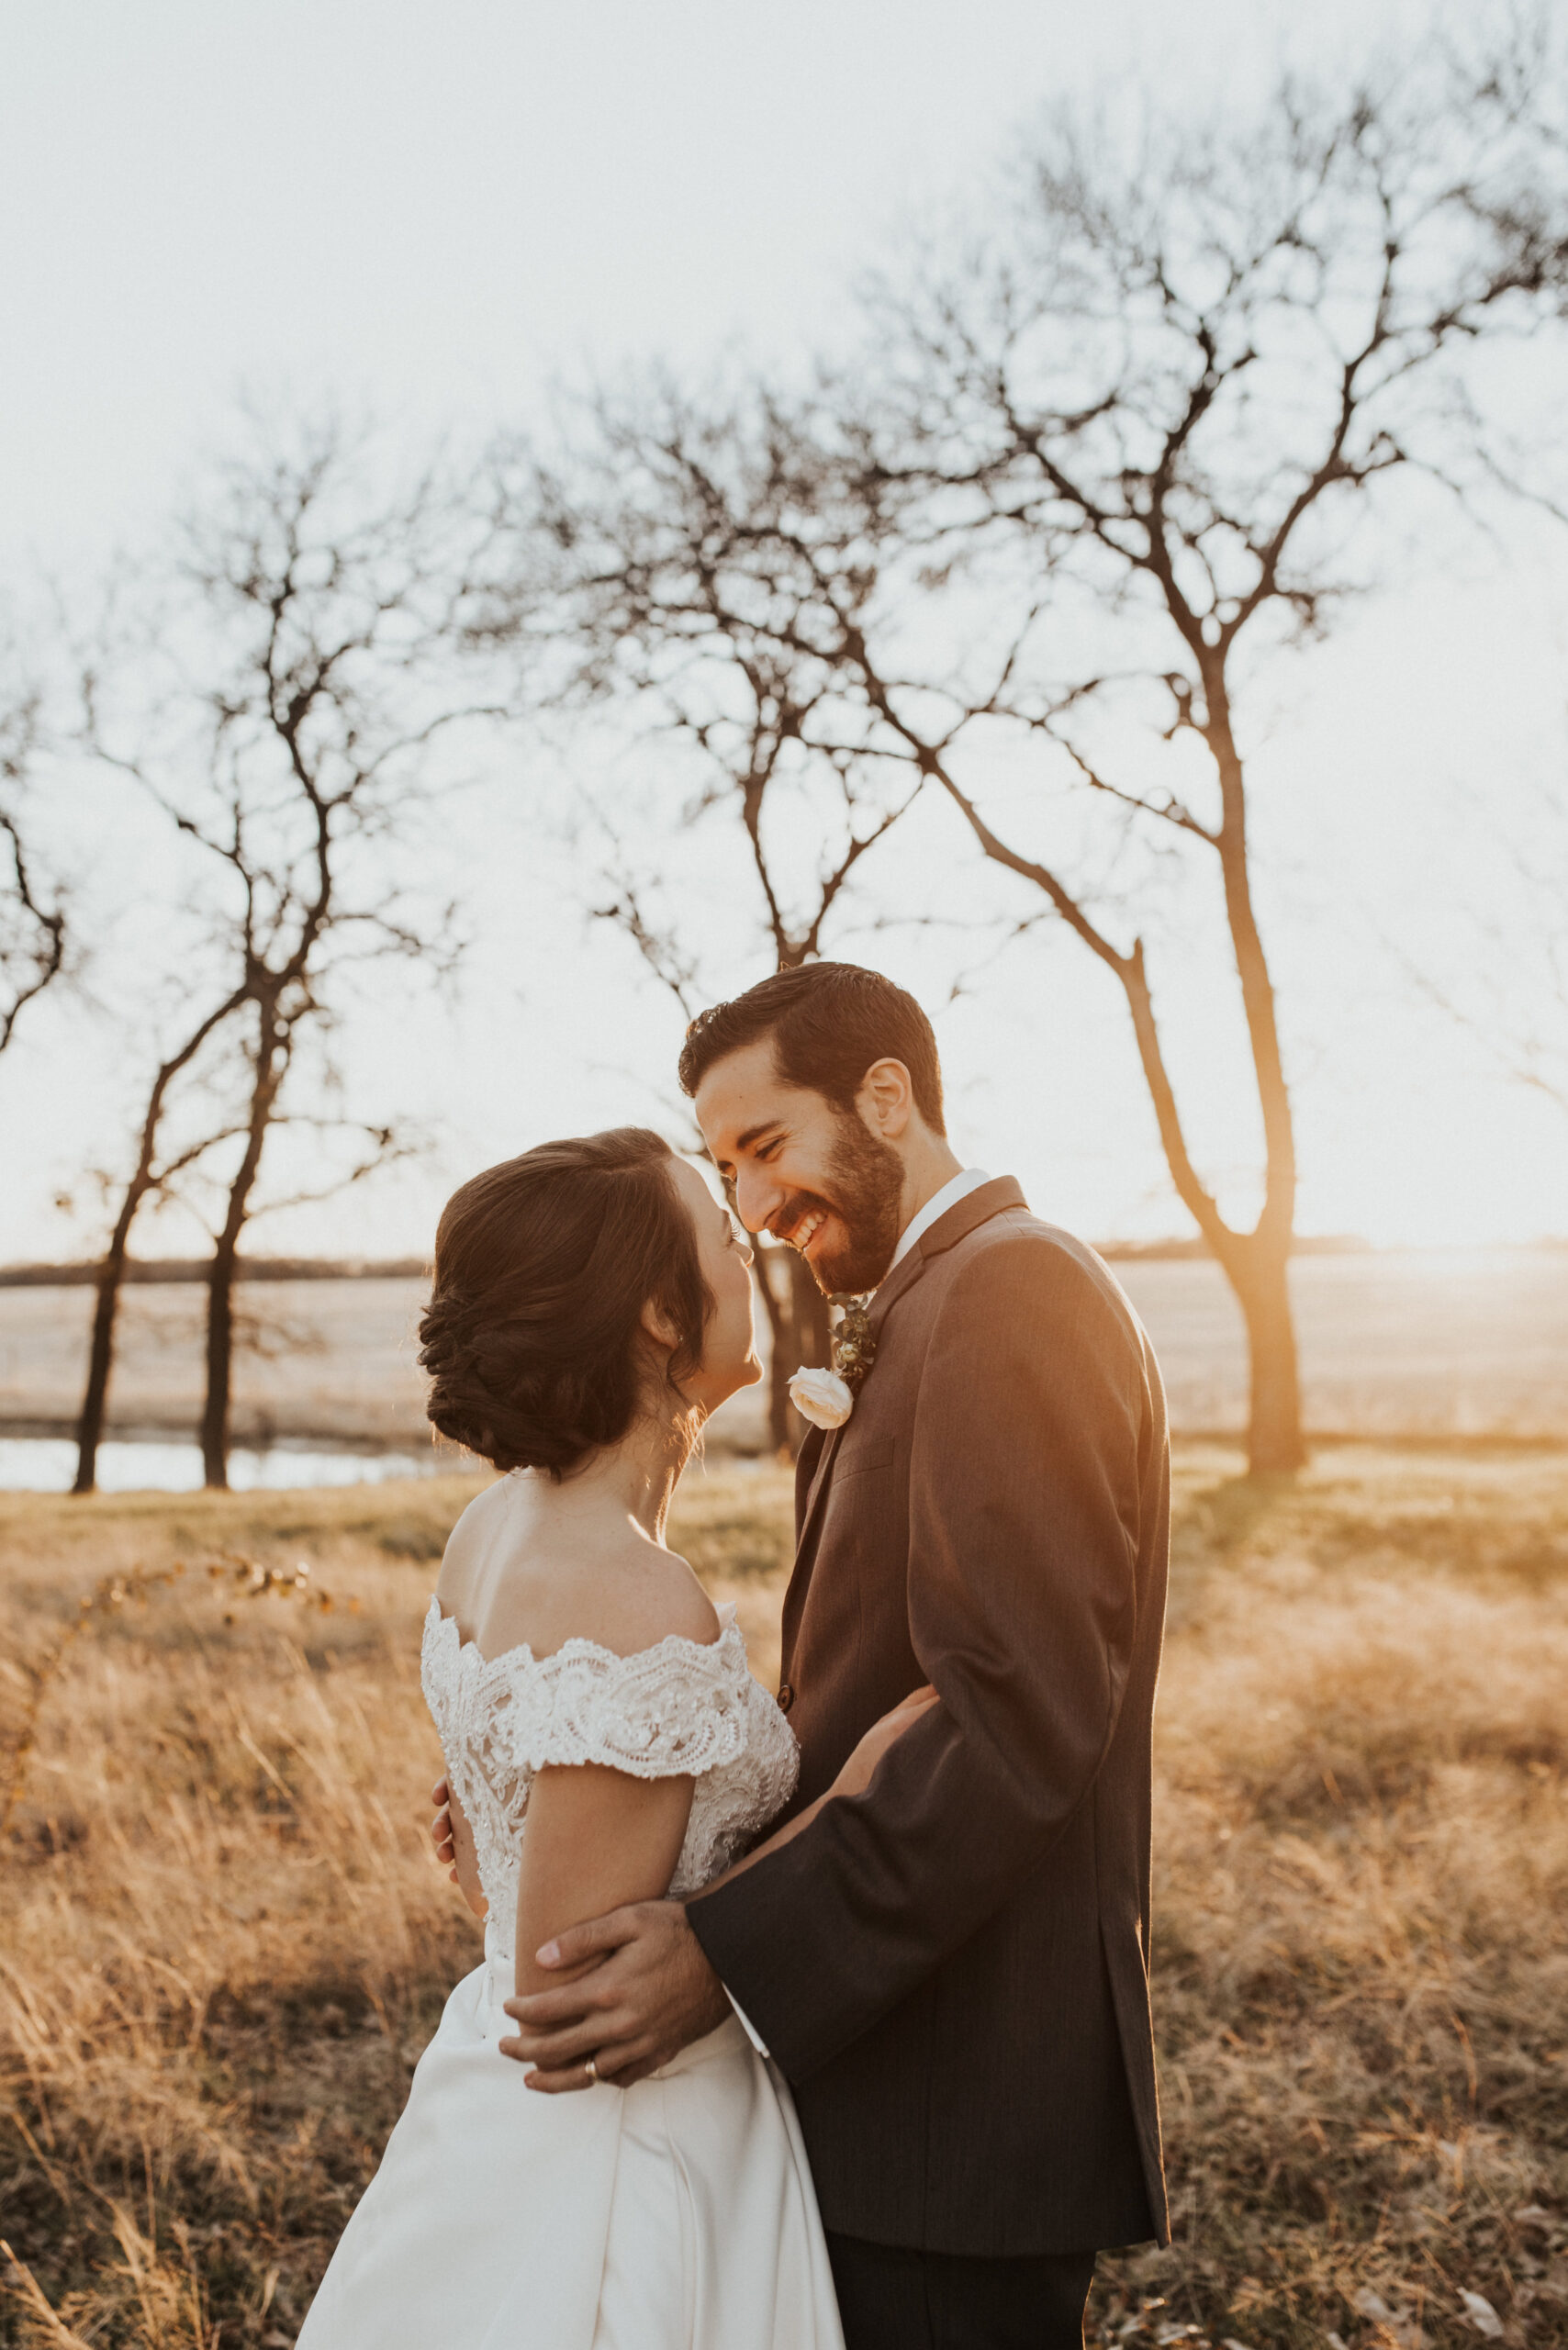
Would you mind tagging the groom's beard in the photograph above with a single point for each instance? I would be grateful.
(864, 1193)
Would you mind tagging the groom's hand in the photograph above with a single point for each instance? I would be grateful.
(648, 1992)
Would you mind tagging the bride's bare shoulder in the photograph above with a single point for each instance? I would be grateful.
(514, 1580)
(480, 1523)
(642, 1597)
(624, 1597)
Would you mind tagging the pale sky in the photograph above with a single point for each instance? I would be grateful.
(434, 213)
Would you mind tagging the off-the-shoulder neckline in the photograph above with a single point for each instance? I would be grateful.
(727, 1625)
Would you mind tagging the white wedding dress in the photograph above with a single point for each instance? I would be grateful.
(675, 2215)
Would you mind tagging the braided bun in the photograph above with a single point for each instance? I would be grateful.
(543, 1267)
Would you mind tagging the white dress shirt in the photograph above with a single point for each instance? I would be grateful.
(957, 1188)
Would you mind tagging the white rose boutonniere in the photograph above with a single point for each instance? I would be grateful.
(826, 1398)
(821, 1397)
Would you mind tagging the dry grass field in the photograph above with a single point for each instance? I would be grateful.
(224, 1943)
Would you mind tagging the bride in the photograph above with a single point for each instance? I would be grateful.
(591, 1306)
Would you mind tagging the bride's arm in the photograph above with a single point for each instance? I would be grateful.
(628, 2035)
(597, 1838)
(855, 1776)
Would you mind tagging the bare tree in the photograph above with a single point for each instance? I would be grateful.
(652, 564)
(153, 1177)
(32, 914)
(1099, 464)
(1163, 402)
(797, 1312)
(281, 708)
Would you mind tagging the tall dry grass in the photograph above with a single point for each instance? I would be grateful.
(224, 1943)
(1361, 1904)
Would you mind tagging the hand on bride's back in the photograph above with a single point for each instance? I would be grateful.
(858, 1771)
(455, 1847)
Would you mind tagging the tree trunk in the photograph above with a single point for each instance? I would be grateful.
(779, 1356)
(1261, 1282)
(272, 1060)
(100, 1361)
(220, 1365)
(1262, 1265)
(811, 1332)
(111, 1273)
(1254, 1263)
(801, 1334)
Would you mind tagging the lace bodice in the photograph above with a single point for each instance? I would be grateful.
(678, 1707)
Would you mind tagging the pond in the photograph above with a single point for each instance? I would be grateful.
(1434, 1344)
(48, 1465)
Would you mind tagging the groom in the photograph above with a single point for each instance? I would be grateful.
(951, 1968)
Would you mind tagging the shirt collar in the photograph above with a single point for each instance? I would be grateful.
(957, 1188)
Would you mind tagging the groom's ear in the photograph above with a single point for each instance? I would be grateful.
(886, 1099)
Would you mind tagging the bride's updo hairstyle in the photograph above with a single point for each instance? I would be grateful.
(542, 1267)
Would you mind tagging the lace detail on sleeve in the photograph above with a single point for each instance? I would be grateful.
(679, 1708)
(673, 1709)
(732, 1808)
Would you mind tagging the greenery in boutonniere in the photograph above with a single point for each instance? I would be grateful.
(854, 1341)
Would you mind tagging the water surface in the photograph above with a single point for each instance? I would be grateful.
(48, 1465)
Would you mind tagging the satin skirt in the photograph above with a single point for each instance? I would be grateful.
(675, 2215)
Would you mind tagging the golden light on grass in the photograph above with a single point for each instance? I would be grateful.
(225, 1942)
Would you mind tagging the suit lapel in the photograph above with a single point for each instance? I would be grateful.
(809, 1498)
(976, 1207)
(806, 1463)
(814, 1468)
(901, 1279)
(819, 1480)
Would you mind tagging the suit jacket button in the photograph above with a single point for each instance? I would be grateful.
(786, 1697)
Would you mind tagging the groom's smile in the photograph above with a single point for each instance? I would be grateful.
(798, 1224)
(806, 1231)
(819, 1177)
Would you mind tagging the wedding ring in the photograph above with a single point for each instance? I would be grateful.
(592, 2069)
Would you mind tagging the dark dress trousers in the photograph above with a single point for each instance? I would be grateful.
(952, 1967)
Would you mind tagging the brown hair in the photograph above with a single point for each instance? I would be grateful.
(543, 1267)
(829, 1022)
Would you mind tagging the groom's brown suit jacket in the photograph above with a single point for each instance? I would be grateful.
(952, 1968)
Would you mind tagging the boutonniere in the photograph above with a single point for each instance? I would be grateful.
(826, 1398)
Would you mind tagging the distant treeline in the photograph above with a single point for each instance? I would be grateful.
(197, 1269)
(1302, 1244)
(409, 1268)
